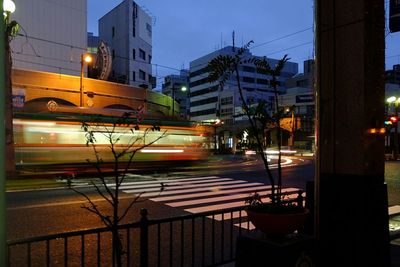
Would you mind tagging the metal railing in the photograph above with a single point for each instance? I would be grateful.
(201, 239)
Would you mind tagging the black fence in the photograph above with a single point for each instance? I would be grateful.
(202, 239)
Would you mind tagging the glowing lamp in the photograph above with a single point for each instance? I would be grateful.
(393, 119)
(8, 6)
(87, 58)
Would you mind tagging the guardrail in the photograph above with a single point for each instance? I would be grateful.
(202, 239)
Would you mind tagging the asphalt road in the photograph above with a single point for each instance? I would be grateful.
(41, 212)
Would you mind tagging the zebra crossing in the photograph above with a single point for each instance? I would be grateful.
(201, 194)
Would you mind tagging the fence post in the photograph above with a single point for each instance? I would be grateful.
(299, 199)
(144, 238)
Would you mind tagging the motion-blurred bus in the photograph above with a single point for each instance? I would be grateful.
(59, 139)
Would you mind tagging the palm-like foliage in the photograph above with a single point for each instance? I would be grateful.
(222, 68)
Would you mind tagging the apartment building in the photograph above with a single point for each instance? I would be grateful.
(127, 29)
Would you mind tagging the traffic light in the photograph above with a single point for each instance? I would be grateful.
(391, 120)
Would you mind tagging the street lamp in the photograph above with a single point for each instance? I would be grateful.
(85, 58)
(11, 29)
(8, 7)
(7, 159)
(396, 102)
(183, 89)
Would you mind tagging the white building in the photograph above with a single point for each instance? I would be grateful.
(53, 35)
(209, 102)
(127, 29)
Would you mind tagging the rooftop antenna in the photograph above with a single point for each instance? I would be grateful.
(221, 40)
(233, 41)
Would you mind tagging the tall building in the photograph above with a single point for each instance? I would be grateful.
(304, 79)
(210, 102)
(177, 87)
(127, 29)
(53, 36)
(299, 101)
(92, 42)
(393, 75)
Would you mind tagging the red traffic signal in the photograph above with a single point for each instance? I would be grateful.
(390, 120)
(393, 119)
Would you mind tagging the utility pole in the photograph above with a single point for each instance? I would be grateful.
(3, 232)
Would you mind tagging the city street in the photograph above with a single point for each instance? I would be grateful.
(195, 190)
(41, 212)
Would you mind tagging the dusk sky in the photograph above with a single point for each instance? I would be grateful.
(185, 30)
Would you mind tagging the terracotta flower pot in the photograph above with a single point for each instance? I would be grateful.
(277, 224)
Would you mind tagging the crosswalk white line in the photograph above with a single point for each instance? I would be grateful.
(180, 194)
(246, 187)
(233, 204)
(157, 184)
(182, 187)
(203, 194)
(170, 180)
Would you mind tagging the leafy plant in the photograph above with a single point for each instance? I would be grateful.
(124, 138)
(222, 68)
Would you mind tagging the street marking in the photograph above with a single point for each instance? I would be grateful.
(203, 194)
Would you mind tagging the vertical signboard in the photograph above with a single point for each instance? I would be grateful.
(394, 16)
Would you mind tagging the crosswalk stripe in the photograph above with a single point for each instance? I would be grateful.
(182, 187)
(157, 184)
(232, 204)
(179, 194)
(203, 194)
(169, 180)
(249, 189)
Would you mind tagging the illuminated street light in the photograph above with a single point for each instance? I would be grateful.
(8, 6)
(85, 58)
(183, 89)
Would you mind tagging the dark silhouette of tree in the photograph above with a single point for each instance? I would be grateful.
(124, 139)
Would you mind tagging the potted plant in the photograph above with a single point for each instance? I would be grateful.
(269, 215)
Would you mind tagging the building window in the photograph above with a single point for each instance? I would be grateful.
(113, 31)
(134, 54)
(113, 54)
(227, 100)
(262, 81)
(149, 30)
(248, 79)
(248, 69)
(134, 76)
(142, 75)
(226, 112)
(302, 83)
(142, 54)
(134, 16)
(149, 58)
